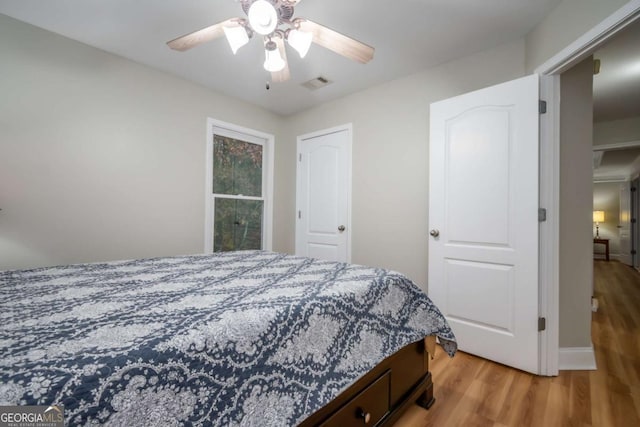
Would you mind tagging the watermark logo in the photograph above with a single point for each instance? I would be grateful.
(32, 416)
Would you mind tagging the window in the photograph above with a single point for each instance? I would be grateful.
(239, 188)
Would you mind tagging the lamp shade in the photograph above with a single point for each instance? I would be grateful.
(598, 216)
(300, 41)
(236, 36)
(274, 61)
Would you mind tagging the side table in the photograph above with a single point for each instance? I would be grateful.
(604, 242)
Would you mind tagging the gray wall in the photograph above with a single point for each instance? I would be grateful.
(576, 205)
(391, 153)
(102, 158)
(614, 131)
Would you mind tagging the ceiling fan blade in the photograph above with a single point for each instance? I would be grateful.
(339, 43)
(284, 74)
(190, 40)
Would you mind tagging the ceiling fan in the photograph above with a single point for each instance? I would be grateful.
(274, 21)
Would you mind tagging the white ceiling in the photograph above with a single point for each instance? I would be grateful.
(616, 158)
(616, 165)
(409, 36)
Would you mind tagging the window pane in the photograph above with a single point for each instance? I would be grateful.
(238, 225)
(237, 167)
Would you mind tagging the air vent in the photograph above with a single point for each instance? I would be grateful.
(317, 83)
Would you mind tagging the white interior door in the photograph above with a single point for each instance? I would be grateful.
(483, 217)
(624, 225)
(323, 225)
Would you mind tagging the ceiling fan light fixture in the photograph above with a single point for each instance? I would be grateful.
(274, 20)
(237, 37)
(273, 61)
(263, 17)
(300, 41)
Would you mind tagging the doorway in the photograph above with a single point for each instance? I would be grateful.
(565, 301)
(616, 142)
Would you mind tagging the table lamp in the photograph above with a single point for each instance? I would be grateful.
(598, 217)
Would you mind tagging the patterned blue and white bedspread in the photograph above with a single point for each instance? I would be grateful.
(235, 339)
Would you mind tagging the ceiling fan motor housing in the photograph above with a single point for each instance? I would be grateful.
(284, 9)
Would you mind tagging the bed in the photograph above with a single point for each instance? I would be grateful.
(250, 338)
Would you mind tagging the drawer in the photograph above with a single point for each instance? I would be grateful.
(366, 408)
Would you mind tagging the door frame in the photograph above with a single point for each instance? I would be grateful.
(635, 232)
(348, 128)
(267, 184)
(550, 170)
(625, 190)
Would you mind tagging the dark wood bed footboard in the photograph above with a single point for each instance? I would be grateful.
(381, 396)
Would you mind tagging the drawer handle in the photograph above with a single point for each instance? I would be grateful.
(366, 416)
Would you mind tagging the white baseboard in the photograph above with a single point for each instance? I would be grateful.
(577, 359)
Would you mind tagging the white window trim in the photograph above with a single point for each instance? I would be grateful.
(268, 141)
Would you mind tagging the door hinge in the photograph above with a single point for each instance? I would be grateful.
(542, 324)
(299, 214)
(542, 215)
(633, 220)
(633, 252)
(633, 189)
(300, 157)
(542, 106)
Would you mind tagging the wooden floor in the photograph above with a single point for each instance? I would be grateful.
(471, 391)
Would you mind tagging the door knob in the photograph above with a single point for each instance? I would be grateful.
(434, 233)
(341, 228)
